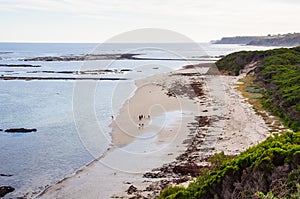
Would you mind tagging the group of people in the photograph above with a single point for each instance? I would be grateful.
(141, 117)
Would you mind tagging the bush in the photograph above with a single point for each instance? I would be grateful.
(260, 160)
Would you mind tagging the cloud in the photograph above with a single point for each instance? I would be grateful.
(92, 7)
(194, 17)
(286, 1)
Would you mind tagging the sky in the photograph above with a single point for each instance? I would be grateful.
(100, 20)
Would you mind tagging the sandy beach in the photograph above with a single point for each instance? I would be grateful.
(187, 116)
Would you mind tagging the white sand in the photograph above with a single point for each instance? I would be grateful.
(242, 127)
(135, 150)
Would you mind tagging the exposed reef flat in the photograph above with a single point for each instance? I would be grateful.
(61, 78)
(128, 56)
(20, 65)
(85, 57)
(87, 72)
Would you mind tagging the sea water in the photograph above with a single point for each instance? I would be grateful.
(72, 124)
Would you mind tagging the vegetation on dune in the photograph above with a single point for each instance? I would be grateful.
(233, 63)
(282, 93)
(278, 74)
(270, 168)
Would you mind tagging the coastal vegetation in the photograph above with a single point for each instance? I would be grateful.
(270, 169)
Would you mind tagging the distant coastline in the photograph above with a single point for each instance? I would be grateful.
(290, 39)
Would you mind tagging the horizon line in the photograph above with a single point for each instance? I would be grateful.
(116, 42)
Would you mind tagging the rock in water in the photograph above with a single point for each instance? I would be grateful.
(20, 130)
(5, 175)
(5, 190)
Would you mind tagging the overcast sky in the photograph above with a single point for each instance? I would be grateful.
(99, 20)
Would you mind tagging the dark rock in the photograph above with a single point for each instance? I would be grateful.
(108, 71)
(60, 78)
(132, 189)
(128, 56)
(5, 175)
(125, 70)
(20, 130)
(152, 187)
(181, 180)
(164, 184)
(187, 169)
(20, 65)
(203, 120)
(5, 190)
(161, 174)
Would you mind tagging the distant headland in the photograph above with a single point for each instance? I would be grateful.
(289, 39)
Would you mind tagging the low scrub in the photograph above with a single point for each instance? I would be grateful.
(256, 172)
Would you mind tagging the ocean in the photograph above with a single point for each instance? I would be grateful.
(71, 102)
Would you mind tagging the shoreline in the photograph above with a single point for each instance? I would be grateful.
(108, 164)
(206, 131)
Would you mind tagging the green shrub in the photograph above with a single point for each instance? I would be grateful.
(264, 157)
(170, 191)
